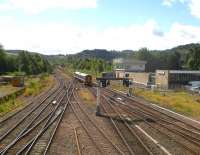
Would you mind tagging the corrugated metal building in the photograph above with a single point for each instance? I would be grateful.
(169, 79)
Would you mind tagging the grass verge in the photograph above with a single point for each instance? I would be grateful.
(180, 101)
(35, 85)
(9, 105)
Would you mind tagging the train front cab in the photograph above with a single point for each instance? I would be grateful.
(88, 80)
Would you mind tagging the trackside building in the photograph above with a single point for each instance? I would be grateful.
(170, 79)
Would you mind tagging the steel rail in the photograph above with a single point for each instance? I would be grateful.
(129, 128)
(23, 133)
(42, 95)
(95, 125)
(46, 124)
(141, 113)
(142, 105)
(126, 125)
(157, 117)
(54, 132)
(26, 116)
(32, 142)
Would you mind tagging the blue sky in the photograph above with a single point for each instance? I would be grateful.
(69, 26)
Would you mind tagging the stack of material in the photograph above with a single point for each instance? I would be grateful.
(17, 81)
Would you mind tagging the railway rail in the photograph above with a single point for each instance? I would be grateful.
(23, 134)
(184, 134)
(99, 138)
(131, 140)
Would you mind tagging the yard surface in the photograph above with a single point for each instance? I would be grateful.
(8, 89)
(178, 101)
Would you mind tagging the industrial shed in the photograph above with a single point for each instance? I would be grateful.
(134, 68)
(170, 79)
(130, 65)
(16, 81)
(143, 79)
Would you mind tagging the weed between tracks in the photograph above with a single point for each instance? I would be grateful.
(180, 101)
(86, 96)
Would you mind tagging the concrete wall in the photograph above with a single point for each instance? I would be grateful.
(141, 78)
(162, 79)
(120, 73)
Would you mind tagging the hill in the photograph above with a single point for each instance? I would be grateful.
(101, 54)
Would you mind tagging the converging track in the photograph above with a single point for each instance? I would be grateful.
(59, 121)
(152, 131)
(29, 131)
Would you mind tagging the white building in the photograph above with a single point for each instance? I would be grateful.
(129, 64)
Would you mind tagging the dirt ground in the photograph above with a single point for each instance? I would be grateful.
(8, 89)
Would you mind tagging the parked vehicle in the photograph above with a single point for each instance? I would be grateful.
(195, 89)
(193, 86)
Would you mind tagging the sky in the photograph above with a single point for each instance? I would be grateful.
(70, 26)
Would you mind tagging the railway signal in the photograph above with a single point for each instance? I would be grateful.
(102, 82)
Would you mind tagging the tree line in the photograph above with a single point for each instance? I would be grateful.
(29, 63)
(181, 58)
(91, 65)
(184, 57)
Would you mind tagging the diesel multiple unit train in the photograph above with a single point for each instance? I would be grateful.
(85, 78)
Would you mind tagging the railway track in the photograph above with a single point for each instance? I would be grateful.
(41, 119)
(67, 102)
(32, 104)
(131, 140)
(97, 136)
(41, 142)
(183, 134)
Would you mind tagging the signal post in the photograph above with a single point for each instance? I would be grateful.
(102, 82)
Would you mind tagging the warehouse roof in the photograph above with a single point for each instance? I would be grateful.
(184, 72)
(128, 61)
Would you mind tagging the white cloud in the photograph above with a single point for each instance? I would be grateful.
(168, 2)
(36, 6)
(171, 2)
(193, 5)
(51, 38)
(195, 8)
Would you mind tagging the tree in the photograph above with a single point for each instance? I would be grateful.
(2, 60)
(194, 59)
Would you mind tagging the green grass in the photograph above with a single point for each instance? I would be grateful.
(9, 105)
(87, 96)
(178, 101)
(35, 85)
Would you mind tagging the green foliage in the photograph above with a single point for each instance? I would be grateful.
(94, 66)
(33, 63)
(193, 59)
(159, 59)
(35, 85)
(26, 62)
